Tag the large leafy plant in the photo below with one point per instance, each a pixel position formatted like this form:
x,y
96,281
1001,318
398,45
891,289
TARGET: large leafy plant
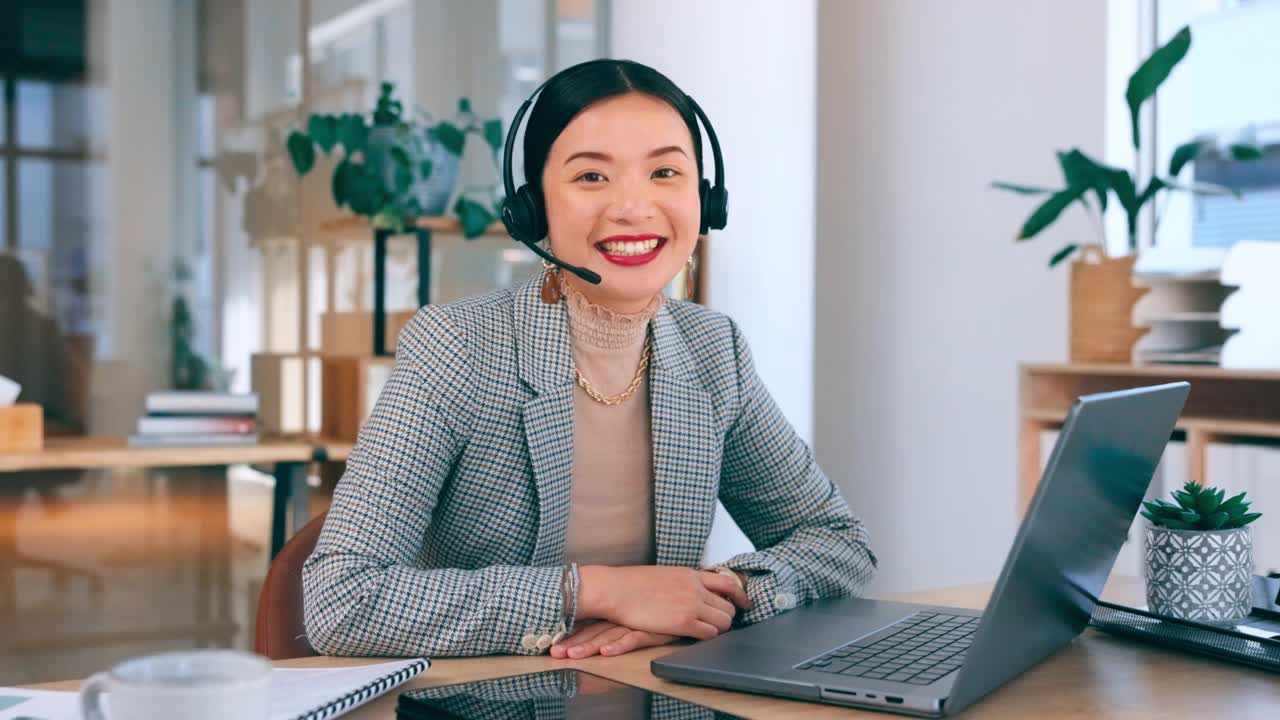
x,y
386,196
1085,178
1200,508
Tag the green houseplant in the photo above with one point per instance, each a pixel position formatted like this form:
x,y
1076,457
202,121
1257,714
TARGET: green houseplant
x,y
1199,555
1084,178
394,169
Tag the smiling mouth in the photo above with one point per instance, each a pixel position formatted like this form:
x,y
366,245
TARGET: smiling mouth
x,y
631,250
636,246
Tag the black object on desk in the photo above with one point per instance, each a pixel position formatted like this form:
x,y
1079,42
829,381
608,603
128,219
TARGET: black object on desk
x,y
1222,642
547,696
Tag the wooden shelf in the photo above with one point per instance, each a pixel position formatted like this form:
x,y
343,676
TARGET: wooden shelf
x,y
1146,371
1224,406
436,223
1213,426
113,452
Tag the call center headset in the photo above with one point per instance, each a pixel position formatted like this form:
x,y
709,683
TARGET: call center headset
x,y
526,219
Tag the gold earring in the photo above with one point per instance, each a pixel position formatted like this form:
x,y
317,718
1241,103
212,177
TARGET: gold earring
x,y
688,279
550,283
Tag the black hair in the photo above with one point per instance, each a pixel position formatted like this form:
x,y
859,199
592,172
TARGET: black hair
x,y
579,86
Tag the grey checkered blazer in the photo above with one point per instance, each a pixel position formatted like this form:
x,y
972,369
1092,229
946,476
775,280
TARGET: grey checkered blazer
x,y
446,534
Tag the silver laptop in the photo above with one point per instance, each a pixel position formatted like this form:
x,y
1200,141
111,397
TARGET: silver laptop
x,y
934,661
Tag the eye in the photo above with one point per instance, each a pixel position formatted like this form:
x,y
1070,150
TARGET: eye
x,y
590,177
666,173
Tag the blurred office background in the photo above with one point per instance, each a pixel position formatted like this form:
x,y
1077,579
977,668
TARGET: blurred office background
x,y
142,159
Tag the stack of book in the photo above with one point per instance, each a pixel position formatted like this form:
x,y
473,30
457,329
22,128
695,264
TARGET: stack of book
x,y
181,418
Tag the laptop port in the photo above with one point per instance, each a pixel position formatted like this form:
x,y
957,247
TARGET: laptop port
x,y
871,696
894,700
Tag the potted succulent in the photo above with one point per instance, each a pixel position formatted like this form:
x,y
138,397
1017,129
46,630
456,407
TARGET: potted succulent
x,y
1102,293
394,169
1199,555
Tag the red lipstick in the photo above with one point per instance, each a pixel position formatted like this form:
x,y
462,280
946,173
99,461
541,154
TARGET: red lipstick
x,y
631,260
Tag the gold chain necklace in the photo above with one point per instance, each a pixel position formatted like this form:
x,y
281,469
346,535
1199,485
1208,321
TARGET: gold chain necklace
x,y
625,394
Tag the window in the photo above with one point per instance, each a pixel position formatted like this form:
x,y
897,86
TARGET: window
x,y
1223,87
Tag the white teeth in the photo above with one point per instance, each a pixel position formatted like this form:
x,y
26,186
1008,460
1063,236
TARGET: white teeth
x,y
630,248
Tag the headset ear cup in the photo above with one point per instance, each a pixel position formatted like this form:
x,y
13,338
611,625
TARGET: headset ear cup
x,y
537,216
715,206
704,196
522,214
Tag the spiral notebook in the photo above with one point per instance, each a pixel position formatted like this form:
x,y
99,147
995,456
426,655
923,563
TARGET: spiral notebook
x,y
321,693
296,693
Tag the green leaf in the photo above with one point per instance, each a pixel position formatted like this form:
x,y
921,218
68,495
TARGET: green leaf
x,y
475,218
1208,503
323,130
1149,516
450,136
1215,520
1245,152
1063,254
1190,516
1238,512
338,183
1079,169
1151,74
1185,499
1248,519
493,134
401,157
1022,189
1235,501
301,152
1175,524
1153,187
364,191
1185,153
1121,184
1048,211
353,133
425,169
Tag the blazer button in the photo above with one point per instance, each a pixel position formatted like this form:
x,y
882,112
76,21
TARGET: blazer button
x,y
557,638
784,601
544,642
529,642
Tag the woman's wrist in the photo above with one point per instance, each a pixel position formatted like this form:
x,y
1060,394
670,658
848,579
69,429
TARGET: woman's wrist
x,y
592,598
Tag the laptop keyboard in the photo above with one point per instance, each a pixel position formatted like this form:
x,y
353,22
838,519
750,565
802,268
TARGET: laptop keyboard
x,y
918,650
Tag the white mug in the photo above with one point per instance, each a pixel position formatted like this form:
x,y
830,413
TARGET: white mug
x,y
191,684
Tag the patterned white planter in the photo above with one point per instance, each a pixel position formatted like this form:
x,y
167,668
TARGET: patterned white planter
x,y
1201,575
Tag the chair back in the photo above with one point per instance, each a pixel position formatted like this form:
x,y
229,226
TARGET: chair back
x,y
279,633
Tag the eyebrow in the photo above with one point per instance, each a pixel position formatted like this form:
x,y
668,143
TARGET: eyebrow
x,y
595,155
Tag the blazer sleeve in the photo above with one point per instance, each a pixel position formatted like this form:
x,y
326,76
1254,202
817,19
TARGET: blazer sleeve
x,y
363,593
811,545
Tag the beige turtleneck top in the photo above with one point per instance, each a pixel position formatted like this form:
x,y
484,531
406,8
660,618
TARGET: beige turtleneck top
x,y
611,501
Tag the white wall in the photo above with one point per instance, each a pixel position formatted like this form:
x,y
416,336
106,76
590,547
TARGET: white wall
x,y
142,67
924,305
750,65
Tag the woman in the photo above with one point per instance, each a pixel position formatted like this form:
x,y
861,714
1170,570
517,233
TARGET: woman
x,y
541,469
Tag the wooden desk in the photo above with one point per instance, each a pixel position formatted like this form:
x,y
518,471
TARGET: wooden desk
x,y
1097,676
1224,405
288,459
